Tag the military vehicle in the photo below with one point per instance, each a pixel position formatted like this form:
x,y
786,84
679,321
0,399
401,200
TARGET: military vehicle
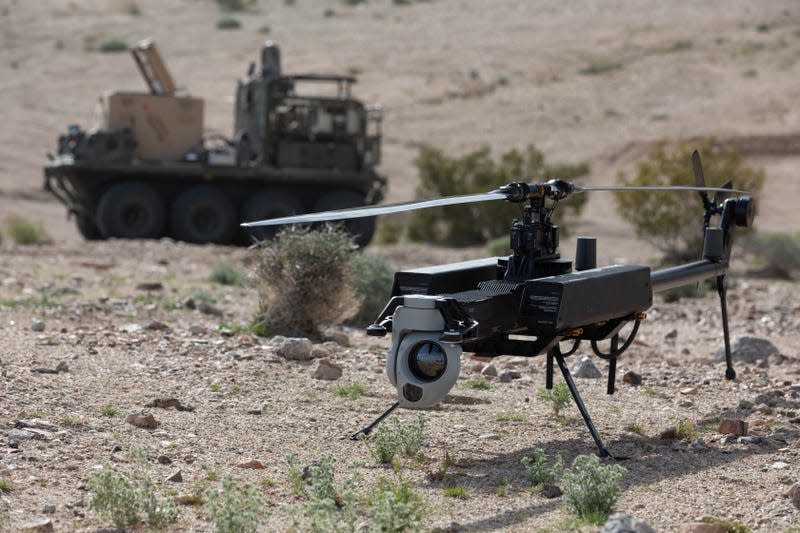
x,y
147,170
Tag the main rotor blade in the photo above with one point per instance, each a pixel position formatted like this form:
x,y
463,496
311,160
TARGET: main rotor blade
x,y
371,211
654,188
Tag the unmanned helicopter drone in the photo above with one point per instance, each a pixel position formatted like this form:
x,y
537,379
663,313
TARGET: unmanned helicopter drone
x,y
529,303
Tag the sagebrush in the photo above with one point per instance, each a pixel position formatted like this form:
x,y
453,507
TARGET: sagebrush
x,y
373,277
538,471
557,398
237,508
305,281
476,172
396,437
672,221
590,489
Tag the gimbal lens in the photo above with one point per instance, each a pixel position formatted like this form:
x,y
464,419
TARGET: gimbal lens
x,y
427,361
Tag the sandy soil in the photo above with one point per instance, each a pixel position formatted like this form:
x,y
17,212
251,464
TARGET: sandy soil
x,y
723,68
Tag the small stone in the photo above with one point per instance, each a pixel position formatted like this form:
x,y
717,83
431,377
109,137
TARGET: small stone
x,y
338,337
505,377
18,435
584,367
779,465
732,426
551,491
35,423
197,329
688,390
631,378
296,349
176,477
489,370
320,351
672,334
750,439
325,369
490,436
208,309
253,463
746,405
43,525
142,419
794,494
48,508
37,325
625,523
155,325
671,433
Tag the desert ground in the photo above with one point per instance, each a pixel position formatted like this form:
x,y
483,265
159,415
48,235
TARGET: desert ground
x,y
115,313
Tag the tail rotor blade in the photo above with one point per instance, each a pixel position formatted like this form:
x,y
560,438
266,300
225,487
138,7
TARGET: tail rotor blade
x,y
700,179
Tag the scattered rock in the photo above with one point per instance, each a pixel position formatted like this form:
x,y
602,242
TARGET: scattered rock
x,y
732,426
155,325
489,370
625,523
164,460
296,349
631,378
35,423
454,527
43,525
62,367
18,435
142,419
779,465
505,377
748,349
490,436
672,334
37,325
176,477
168,403
320,351
325,369
253,463
551,491
48,508
584,367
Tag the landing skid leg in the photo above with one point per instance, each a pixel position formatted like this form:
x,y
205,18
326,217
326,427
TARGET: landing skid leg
x,y
367,430
730,373
601,449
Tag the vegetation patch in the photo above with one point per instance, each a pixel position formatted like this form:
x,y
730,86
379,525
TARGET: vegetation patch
x,y
591,489
237,508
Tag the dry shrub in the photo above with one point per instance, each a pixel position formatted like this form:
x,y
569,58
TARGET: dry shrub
x,y
305,281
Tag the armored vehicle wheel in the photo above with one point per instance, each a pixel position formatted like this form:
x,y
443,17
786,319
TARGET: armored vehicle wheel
x,y
361,228
268,203
203,214
131,210
88,228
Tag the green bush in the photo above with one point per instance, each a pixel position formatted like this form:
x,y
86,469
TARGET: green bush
x,y
23,231
395,507
352,391
373,277
237,509
557,398
536,469
305,281
476,172
228,23
127,502
672,221
395,437
226,274
591,488
329,505
778,252
114,45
